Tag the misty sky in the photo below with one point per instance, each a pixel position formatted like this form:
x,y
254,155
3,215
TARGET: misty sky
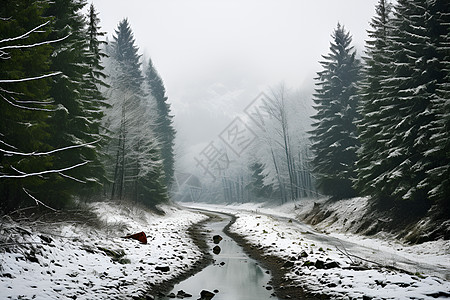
x,y
216,56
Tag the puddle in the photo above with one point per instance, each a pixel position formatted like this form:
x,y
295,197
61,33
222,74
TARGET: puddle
x,y
233,275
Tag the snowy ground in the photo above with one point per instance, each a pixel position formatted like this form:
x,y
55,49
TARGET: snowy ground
x,y
270,229
69,260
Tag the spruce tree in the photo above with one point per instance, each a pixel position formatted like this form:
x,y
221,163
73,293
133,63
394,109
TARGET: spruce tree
x,y
136,170
76,123
334,137
375,70
404,109
438,177
164,130
24,106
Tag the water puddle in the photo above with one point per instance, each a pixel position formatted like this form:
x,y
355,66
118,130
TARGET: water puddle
x,y
233,275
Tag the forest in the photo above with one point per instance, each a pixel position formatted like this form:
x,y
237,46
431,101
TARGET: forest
x,y
81,119
339,189
84,118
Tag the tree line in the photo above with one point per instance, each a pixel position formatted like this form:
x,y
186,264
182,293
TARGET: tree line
x,y
79,118
382,124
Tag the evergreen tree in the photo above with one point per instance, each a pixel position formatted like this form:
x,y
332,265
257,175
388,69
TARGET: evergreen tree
x,y
334,135
375,70
24,105
439,174
136,169
94,103
164,130
76,124
404,109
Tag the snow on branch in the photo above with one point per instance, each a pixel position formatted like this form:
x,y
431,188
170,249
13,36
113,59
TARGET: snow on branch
x,y
24,175
33,45
48,152
30,78
25,107
25,35
38,201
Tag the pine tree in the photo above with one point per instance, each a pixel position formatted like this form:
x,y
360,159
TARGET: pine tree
x,y
334,135
375,70
164,130
93,104
75,124
404,111
136,168
438,177
24,106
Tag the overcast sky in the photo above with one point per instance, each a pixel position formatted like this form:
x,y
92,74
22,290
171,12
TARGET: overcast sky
x,y
215,56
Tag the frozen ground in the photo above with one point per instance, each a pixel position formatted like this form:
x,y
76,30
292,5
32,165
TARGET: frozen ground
x,y
69,260
365,264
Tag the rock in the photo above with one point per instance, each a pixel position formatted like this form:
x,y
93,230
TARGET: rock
x,y
140,236
217,238
216,250
319,264
149,297
46,239
171,295
308,263
163,268
303,254
206,295
331,264
182,294
288,264
216,291
222,263
269,288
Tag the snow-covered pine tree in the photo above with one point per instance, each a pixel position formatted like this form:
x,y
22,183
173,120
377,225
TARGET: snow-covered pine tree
x,y
334,135
406,117
76,124
94,103
375,69
438,177
136,168
24,106
164,129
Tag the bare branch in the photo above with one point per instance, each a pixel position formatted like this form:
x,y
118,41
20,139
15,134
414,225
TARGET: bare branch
x,y
33,45
48,152
73,178
38,201
44,172
26,107
25,34
29,78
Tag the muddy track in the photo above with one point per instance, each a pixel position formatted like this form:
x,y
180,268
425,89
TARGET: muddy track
x,y
198,234
284,288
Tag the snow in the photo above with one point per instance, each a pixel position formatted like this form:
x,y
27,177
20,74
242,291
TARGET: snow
x,y
275,231
73,265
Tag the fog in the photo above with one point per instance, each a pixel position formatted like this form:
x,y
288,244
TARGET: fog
x,y
215,56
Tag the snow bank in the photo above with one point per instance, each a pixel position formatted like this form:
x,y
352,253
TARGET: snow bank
x,y
311,256
72,260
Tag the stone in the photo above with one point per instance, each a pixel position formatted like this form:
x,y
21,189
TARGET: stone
x,y
163,268
303,254
216,250
171,295
319,264
206,295
331,264
182,294
288,264
217,238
